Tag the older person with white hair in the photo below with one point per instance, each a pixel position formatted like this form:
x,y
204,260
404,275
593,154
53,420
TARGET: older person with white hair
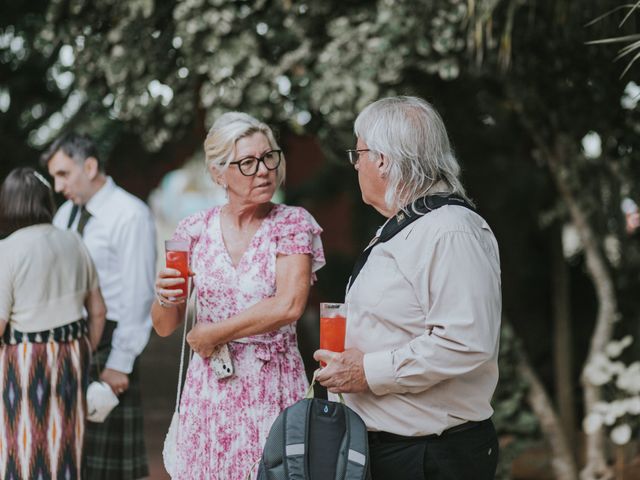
x,y
253,263
424,305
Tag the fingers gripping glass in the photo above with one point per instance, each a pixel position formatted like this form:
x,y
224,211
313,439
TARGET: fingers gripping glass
x,y
354,155
248,166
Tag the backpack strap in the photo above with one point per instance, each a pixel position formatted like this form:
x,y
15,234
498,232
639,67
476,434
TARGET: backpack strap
x,y
295,438
358,448
342,465
354,465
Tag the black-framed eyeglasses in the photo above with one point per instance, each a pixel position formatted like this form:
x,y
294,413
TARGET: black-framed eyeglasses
x,y
248,166
354,155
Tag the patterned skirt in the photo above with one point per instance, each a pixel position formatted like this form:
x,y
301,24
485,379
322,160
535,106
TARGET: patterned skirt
x,y
43,380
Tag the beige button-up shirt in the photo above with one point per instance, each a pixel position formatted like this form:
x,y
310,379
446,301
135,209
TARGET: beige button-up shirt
x,y
425,310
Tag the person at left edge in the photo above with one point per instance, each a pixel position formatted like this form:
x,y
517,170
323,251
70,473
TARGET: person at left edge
x,y
119,232
46,279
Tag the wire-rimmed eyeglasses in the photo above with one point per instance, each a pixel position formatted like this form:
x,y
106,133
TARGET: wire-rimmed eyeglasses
x,y
248,166
354,155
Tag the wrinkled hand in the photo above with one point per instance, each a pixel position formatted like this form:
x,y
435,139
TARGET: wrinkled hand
x,y
118,381
344,372
203,339
170,286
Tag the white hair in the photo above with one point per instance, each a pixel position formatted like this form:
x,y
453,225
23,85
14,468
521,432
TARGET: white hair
x,y
220,144
411,135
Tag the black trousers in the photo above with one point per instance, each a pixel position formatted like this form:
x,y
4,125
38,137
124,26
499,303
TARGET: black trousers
x,y
470,454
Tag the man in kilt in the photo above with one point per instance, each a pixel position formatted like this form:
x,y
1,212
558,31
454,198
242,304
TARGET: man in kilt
x,y
119,232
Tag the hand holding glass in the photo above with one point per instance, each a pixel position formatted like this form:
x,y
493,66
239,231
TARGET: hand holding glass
x,y
333,325
177,257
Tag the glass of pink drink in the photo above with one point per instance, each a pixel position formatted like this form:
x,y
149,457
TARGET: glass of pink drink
x,y
177,257
333,325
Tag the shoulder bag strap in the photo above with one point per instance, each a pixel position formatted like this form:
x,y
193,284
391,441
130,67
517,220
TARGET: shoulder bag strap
x,y
184,341
190,290
416,210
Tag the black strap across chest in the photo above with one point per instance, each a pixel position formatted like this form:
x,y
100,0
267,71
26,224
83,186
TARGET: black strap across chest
x,y
404,218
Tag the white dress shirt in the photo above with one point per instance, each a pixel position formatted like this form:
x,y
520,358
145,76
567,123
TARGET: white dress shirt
x,y
121,238
426,310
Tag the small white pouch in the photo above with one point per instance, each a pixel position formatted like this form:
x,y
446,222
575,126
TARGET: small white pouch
x,y
170,447
100,401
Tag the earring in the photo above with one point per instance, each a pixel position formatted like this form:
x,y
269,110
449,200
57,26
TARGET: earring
x,y
226,190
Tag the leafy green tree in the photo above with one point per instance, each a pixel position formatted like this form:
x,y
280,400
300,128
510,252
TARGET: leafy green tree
x,y
28,93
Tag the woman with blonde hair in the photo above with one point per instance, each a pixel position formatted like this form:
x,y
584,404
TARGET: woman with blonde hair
x,y
254,262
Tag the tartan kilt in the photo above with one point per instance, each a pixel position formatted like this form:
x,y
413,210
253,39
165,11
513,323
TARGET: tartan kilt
x,y
114,450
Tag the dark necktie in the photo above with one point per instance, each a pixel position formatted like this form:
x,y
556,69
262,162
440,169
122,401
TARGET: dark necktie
x,y
84,218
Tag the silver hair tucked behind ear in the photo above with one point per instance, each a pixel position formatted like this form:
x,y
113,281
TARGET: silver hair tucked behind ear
x,y
411,135
219,146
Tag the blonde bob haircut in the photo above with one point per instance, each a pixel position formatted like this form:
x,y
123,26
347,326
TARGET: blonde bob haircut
x,y
411,135
220,144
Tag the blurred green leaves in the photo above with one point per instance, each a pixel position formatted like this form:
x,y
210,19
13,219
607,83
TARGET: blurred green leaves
x,y
219,55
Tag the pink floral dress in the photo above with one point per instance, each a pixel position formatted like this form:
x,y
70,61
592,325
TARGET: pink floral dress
x,y
224,423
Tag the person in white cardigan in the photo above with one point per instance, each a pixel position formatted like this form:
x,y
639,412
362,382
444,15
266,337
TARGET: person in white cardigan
x,y
47,279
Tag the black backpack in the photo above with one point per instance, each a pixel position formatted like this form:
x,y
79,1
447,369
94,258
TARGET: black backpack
x,y
316,439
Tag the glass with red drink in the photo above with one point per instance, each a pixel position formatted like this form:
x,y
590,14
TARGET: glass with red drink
x,y
333,325
177,257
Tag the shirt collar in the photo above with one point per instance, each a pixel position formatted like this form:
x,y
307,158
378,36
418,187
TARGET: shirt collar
x,y
100,199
